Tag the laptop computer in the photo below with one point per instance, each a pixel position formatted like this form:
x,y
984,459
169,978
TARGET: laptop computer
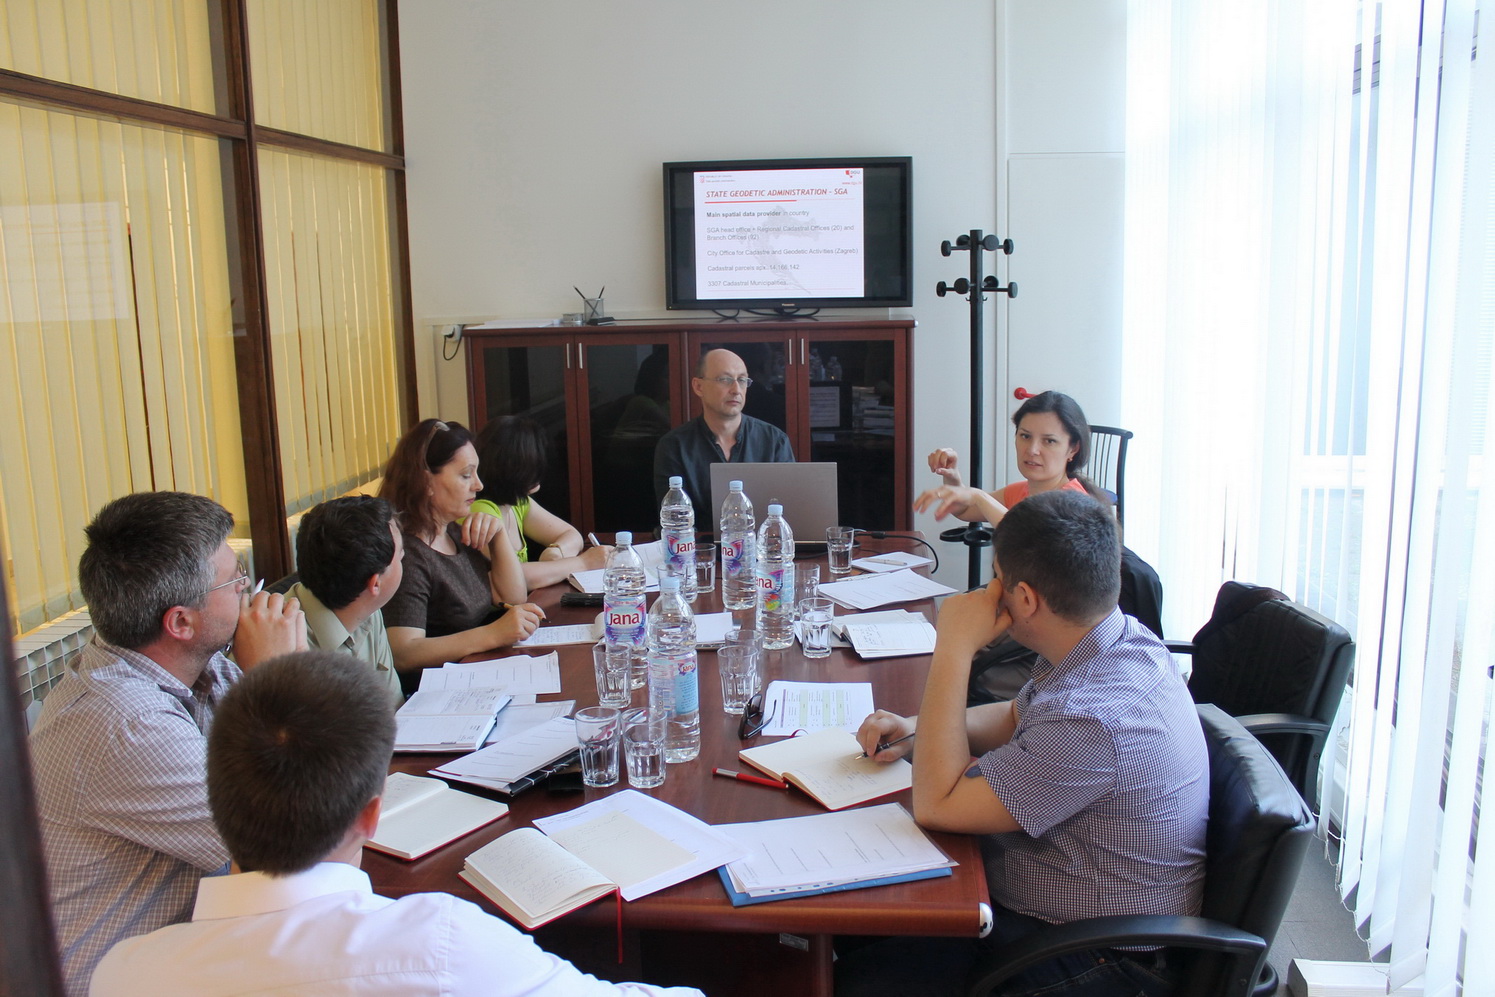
x,y
807,491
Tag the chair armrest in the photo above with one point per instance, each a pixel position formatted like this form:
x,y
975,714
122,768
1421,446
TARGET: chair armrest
x,y
1179,646
1284,723
1110,932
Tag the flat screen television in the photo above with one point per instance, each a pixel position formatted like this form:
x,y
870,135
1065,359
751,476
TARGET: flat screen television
x,y
783,235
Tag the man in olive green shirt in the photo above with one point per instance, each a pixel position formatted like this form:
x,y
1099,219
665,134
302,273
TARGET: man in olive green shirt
x,y
349,553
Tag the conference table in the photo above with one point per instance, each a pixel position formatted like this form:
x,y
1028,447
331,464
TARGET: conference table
x,y
690,933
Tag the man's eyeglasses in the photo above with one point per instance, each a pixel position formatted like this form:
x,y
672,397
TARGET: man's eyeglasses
x,y
240,579
743,382
753,721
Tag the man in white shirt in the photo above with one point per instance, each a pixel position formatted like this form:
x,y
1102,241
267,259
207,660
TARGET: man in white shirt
x,y
350,553
296,766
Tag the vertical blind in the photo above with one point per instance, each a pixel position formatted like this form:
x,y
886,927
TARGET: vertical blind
x,y
331,322
1311,225
116,347
118,362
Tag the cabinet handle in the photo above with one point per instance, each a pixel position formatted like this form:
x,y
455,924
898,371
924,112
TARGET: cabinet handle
x,y
581,356
802,359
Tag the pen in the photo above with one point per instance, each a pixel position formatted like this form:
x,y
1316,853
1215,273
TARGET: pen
x,y
728,773
883,560
259,586
592,539
578,292
884,745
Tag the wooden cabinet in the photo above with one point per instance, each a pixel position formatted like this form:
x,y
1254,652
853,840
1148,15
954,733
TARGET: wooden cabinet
x,y
842,390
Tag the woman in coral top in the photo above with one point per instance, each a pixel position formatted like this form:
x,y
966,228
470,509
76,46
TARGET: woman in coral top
x,y
1052,444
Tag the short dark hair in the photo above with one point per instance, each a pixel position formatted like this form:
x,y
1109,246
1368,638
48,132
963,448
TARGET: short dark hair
x,y
341,544
1065,546
424,449
511,458
146,553
298,748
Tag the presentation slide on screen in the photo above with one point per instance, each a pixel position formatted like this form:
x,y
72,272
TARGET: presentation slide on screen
x,y
789,233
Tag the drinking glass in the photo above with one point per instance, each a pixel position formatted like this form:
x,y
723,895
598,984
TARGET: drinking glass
x,y
705,567
838,546
612,664
815,626
643,748
597,734
738,664
806,584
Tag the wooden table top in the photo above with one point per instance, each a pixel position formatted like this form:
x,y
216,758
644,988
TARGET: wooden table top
x,y
945,906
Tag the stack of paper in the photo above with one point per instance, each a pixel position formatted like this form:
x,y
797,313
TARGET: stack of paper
x,y
516,675
890,634
823,853
895,560
515,763
447,719
871,591
574,633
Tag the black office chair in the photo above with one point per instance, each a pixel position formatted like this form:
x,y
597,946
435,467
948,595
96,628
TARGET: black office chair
x,y
1278,667
1107,464
1259,829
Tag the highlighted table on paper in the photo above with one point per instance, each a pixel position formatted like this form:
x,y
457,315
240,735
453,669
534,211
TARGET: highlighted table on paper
x,y
812,706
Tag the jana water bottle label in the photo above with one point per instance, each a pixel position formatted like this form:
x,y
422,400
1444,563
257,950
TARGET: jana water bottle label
x,y
734,554
678,546
771,588
687,686
625,624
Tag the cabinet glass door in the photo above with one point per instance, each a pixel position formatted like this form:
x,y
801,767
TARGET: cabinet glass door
x,y
851,410
513,377
768,364
629,407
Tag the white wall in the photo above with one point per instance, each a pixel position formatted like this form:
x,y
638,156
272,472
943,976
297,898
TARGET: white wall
x,y
535,133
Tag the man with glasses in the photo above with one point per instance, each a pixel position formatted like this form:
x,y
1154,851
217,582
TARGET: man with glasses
x,y
118,751
721,434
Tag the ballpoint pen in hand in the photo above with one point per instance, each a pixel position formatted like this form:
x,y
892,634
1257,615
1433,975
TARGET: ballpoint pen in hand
x,y
884,745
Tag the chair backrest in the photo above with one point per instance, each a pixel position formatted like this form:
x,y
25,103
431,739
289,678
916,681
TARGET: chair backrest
x,y
1107,464
1259,829
1260,652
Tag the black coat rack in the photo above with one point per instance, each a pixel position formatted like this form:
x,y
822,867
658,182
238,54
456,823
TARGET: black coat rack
x,y
974,535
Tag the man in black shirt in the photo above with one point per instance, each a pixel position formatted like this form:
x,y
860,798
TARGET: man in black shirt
x,y
720,434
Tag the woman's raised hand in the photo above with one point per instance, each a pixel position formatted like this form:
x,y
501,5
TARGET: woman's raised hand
x,y
946,463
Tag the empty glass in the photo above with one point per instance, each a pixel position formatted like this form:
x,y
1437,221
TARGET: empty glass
x,y
738,664
705,567
597,735
612,665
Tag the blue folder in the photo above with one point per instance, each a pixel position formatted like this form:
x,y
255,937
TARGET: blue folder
x,y
740,899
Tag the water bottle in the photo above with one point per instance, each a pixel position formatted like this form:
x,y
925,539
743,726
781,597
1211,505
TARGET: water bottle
x,y
677,527
624,619
673,678
739,544
776,579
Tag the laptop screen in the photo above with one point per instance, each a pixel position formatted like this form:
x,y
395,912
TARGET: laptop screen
x,y
807,491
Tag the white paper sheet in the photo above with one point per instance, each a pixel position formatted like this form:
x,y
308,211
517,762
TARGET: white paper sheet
x,y
812,706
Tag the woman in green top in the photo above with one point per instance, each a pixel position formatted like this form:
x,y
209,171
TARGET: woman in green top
x,y
511,459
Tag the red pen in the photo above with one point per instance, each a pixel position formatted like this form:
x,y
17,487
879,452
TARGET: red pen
x,y
750,778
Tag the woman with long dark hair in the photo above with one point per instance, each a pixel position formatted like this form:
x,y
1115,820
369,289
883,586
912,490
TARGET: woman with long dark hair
x,y
463,588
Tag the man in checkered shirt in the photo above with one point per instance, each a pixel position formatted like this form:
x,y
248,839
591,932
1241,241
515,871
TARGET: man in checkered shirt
x,y
118,753
1092,785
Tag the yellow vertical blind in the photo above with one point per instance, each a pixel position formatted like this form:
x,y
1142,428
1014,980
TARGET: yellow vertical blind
x,y
159,51
302,84
116,345
332,325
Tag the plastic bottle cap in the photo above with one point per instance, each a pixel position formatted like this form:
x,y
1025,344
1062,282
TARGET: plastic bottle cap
x,y
622,537
669,583
734,486
775,510
676,481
